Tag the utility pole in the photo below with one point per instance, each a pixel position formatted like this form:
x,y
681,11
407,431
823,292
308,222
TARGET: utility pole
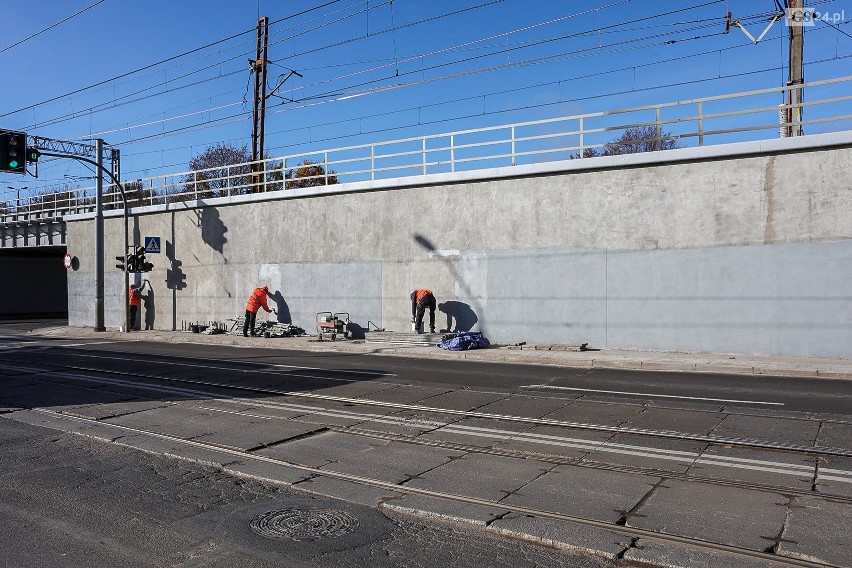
x,y
796,22
259,114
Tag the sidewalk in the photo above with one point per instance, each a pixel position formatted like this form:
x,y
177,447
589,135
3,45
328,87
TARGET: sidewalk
x,y
725,363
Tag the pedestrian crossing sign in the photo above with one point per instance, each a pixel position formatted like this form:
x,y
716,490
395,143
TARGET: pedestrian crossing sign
x,y
152,245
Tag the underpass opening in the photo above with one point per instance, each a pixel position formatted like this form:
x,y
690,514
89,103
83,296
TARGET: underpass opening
x,y
33,282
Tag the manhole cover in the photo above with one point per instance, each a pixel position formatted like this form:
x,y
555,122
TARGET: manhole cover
x,y
304,524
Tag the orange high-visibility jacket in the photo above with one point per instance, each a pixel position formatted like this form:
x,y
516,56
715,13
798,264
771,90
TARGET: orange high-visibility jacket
x,y
416,297
257,300
134,298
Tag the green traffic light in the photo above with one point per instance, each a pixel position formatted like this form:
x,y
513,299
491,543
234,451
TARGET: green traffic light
x,y
13,164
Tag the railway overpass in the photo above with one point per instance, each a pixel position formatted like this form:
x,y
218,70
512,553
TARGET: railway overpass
x,y
742,247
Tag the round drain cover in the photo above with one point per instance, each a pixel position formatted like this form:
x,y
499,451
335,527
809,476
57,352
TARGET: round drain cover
x,y
303,524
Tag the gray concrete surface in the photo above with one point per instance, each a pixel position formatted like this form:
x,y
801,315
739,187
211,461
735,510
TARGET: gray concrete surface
x,y
755,519
747,252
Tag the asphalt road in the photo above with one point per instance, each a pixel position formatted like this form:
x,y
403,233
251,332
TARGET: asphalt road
x,y
622,464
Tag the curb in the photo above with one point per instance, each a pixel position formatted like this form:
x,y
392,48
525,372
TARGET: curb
x,y
802,367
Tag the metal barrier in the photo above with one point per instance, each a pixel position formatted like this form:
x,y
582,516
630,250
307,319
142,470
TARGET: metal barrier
x,y
750,115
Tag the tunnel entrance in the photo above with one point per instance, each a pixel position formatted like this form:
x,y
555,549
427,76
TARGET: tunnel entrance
x,y
33,283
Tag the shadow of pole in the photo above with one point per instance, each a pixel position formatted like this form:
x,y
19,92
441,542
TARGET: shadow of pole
x,y
426,244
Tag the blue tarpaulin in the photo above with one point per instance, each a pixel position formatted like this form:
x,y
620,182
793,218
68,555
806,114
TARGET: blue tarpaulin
x,y
465,340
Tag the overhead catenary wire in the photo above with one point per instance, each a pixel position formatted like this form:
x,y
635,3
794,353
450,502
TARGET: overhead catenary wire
x,y
217,122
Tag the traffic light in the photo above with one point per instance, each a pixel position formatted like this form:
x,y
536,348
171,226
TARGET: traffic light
x,y
141,265
13,148
33,155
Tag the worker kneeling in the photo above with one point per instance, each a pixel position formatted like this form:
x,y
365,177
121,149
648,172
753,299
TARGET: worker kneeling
x,y
420,300
256,301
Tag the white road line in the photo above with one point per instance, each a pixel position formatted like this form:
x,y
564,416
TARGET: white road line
x,y
548,387
684,457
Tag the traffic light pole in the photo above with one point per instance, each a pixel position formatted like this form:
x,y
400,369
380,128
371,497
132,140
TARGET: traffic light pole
x,y
99,237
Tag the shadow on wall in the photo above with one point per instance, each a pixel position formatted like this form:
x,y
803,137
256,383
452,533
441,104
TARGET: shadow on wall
x,y
460,316
148,303
463,313
282,308
212,228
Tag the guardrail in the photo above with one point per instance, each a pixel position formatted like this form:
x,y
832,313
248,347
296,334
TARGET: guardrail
x,y
750,115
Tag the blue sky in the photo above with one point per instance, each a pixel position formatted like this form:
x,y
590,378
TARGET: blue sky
x,y
163,80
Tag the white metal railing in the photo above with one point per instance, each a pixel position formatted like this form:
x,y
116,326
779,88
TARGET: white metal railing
x,y
751,115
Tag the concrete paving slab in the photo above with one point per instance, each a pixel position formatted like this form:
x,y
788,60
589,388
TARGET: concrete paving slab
x,y
348,491
607,414
406,394
653,418
597,494
58,397
835,435
462,399
174,420
355,389
100,431
265,471
555,441
648,452
664,555
411,425
768,428
247,435
818,531
109,410
757,466
176,449
461,432
526,406
446,509
395,462
727,515
481,476
563,535
833,476
322,449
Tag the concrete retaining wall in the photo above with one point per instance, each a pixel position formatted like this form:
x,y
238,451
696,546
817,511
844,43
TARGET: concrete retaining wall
x,y
740,253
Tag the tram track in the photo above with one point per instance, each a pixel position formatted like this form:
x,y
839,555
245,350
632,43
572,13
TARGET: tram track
x,y
633,533
327,416
815,451
406,423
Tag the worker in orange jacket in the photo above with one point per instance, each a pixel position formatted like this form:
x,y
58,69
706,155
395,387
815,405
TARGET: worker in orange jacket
x,y
420,300
134,300
256,301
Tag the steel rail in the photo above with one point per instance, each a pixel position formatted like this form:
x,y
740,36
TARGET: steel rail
x,y
418,440
665,434
632,532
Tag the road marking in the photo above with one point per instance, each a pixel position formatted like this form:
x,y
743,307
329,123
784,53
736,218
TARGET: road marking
x,y
376,374
547,387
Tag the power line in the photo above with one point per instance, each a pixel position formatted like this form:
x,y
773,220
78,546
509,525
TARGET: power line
x,y
151,65
51,26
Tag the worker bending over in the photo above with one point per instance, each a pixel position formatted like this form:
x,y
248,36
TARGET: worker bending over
x,y
420,300
256,301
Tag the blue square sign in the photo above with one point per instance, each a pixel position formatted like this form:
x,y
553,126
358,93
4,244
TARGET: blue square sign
x,y
152,245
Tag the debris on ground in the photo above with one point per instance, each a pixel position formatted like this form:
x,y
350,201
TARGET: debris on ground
x,y
266,328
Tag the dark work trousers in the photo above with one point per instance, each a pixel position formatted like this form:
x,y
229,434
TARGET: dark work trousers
x,y
250,318
131,316
427,302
